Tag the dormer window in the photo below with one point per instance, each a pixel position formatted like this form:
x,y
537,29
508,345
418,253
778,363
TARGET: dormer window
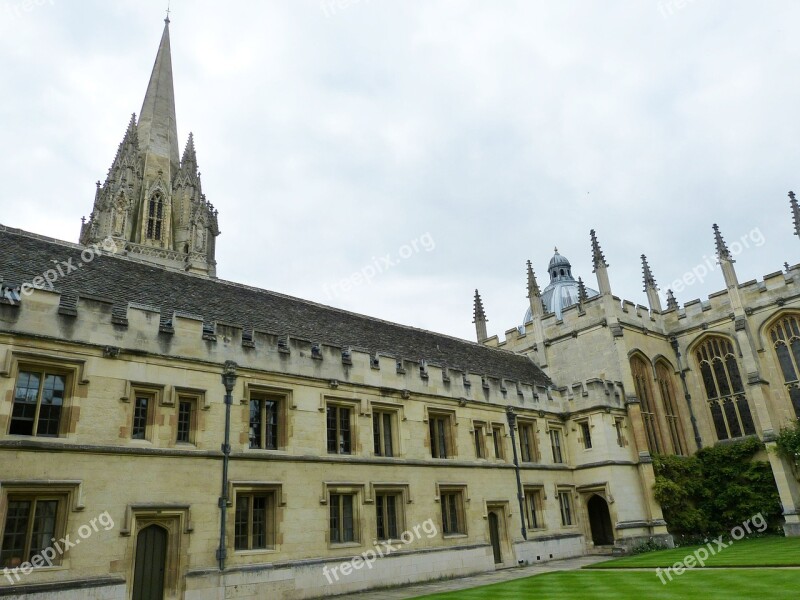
x,y
155,216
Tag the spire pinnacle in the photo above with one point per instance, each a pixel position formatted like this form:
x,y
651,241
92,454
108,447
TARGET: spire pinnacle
x,y
598,258
722,249
478,313
582,295
189,154
158,133
671,301
533,286
795,213
479,318
649,280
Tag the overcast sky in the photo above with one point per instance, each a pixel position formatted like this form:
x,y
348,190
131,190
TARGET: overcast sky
x,y
333,133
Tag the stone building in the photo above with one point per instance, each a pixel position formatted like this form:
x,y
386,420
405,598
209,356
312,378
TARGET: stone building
x,y
168,434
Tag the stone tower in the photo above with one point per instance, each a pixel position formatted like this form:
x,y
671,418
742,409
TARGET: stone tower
x,y
152,203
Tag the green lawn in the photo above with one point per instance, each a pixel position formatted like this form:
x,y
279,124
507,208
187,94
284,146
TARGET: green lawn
x,y
640,585
759,552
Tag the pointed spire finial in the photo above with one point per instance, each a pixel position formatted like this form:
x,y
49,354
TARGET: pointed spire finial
x,y
795,213
166,20
722,249
533,286
478,313
671,301
598,258
582,295
555,249
649,280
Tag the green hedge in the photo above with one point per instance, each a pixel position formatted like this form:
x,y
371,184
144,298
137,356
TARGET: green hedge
x,y
715,490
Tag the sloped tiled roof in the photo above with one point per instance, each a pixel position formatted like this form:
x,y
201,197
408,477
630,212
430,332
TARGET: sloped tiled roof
x,y
23,256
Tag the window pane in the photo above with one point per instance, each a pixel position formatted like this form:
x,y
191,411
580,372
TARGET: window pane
x,y
391,515
376,435
271,435
331,426
785,360
255,424
387,435
140,418
733,372
347,519
730,416
719,421
344,430
441,433
748,426
259,522
44,526
380,518
14,533
241,522
708,380
184,420
334,518
722,379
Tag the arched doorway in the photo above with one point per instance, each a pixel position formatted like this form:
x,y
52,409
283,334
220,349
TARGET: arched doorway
x,y
151,556
494,536
600,521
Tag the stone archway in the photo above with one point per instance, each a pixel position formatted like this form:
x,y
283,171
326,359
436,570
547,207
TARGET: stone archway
x,y
600,521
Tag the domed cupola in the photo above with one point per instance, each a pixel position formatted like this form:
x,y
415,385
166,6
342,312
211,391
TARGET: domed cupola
x,y
559,268
563,288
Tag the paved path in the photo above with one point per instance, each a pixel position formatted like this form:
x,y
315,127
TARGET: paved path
x,y
462,583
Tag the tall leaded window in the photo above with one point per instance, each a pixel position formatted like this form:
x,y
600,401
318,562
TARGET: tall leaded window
x,y
785,338
38,400
642,379
155,216
342,519
29,528
263,433
254,527
724,389
668,398
339,429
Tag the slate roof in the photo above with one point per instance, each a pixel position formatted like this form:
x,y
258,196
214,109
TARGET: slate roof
x,y
24,255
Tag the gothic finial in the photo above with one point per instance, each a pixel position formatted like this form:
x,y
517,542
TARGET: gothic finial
x,y
582,295
722,248
795,213
478,313
166,20
649,280
671,302
555,249
533,286
786,266
598,258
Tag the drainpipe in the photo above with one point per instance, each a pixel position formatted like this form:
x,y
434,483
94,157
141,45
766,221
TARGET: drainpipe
x,y
229,381
512,420
674,342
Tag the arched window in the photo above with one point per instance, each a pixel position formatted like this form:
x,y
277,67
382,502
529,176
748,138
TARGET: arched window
x,y
155,214
724,390
642,379
668,398
785,338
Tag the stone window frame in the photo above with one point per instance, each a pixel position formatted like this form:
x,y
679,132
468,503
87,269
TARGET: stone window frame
x,y
75,371
451,423
275,488
462,502
68,493
284,397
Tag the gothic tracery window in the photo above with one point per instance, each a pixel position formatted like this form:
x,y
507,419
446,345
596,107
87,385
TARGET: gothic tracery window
x,y
642,378
669,400
724,389
155,214
785,339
